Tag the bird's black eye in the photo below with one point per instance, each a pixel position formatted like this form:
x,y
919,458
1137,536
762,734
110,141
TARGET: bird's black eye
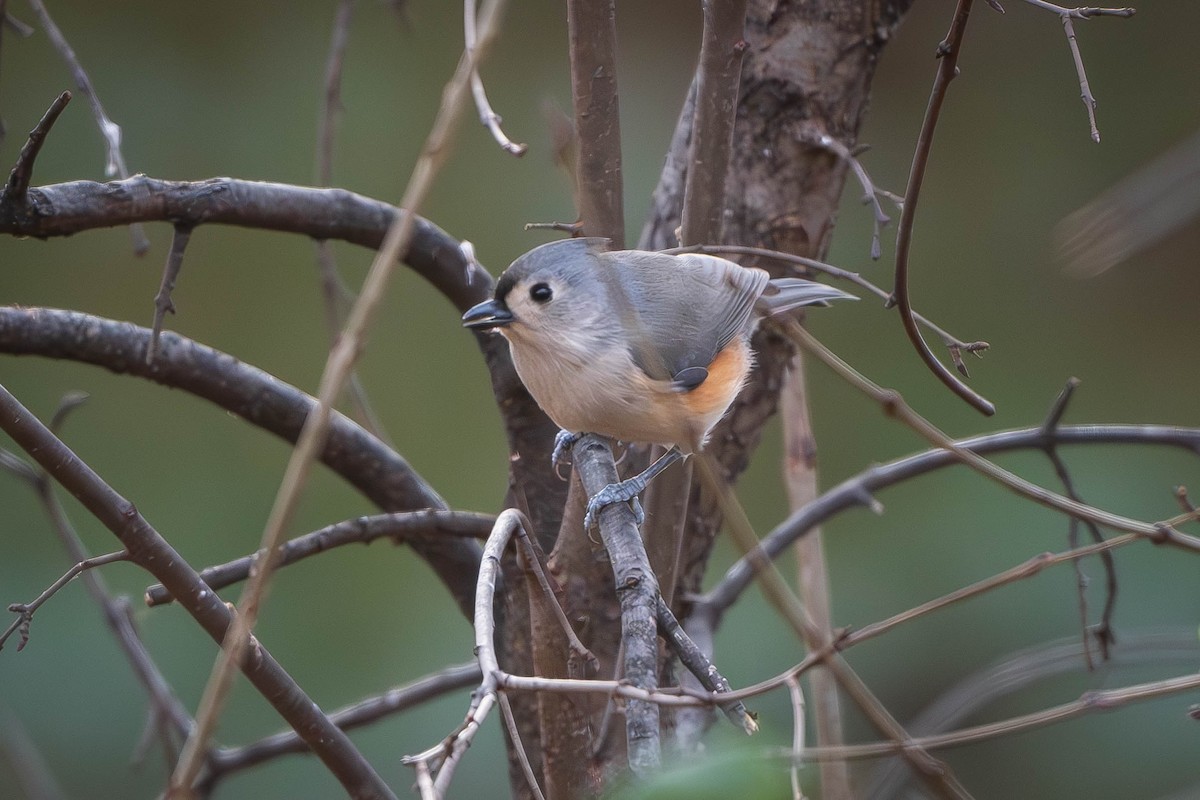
x,y
540,292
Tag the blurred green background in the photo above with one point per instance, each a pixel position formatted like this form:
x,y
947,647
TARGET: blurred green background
x,y
233,89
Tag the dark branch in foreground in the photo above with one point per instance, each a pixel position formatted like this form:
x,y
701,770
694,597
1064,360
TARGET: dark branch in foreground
x,y
22,171
149,550
259,398
66,208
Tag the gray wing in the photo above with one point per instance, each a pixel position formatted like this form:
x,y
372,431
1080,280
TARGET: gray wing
x,y
686,309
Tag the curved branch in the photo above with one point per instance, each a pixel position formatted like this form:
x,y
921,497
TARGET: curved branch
x,y
857,491
63,209
947,68
260,399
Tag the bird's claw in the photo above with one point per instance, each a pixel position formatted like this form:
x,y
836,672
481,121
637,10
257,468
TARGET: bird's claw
x,y
623,492
563,441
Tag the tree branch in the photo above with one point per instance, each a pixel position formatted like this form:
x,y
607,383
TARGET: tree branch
x,y
400,527
591,26
859,490
261,399
149,550
948,52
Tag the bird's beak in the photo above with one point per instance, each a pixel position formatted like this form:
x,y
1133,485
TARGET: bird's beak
x,y
487,316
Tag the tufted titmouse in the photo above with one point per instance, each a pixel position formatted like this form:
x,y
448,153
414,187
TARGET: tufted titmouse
x,y
633,345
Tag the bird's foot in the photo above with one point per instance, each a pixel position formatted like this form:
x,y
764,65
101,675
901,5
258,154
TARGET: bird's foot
x,y
626,491
563,441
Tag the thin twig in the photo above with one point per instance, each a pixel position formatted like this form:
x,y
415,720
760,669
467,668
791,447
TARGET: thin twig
x,y
490,119
165,706
22,29
1067,16
109,130
580,654
333,290
1088,702
1023,571
1103,632
514,733
25,611
948,52
399,527
331,101
162,301
699,665
871,194
22,171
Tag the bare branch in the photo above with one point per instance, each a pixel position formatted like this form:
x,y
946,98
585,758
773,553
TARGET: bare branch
x,y
1068,15
15,25
948,52
1103,632
22,171
490,119
894,405
858,490
67,208
812,571
871,194
718,78
514,733
586,661
797,697
162,301
1088,702
331,103
637,590
400,527
255,396
699,665
150,551
591,27
450,750
109,130
25,611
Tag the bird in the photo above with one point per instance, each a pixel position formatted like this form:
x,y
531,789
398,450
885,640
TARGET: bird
x,y
634,345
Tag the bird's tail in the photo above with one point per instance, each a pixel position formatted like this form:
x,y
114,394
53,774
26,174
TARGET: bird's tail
x,y
787,294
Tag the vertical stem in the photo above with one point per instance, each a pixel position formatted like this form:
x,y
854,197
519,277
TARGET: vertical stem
x,y
592,29
812,574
